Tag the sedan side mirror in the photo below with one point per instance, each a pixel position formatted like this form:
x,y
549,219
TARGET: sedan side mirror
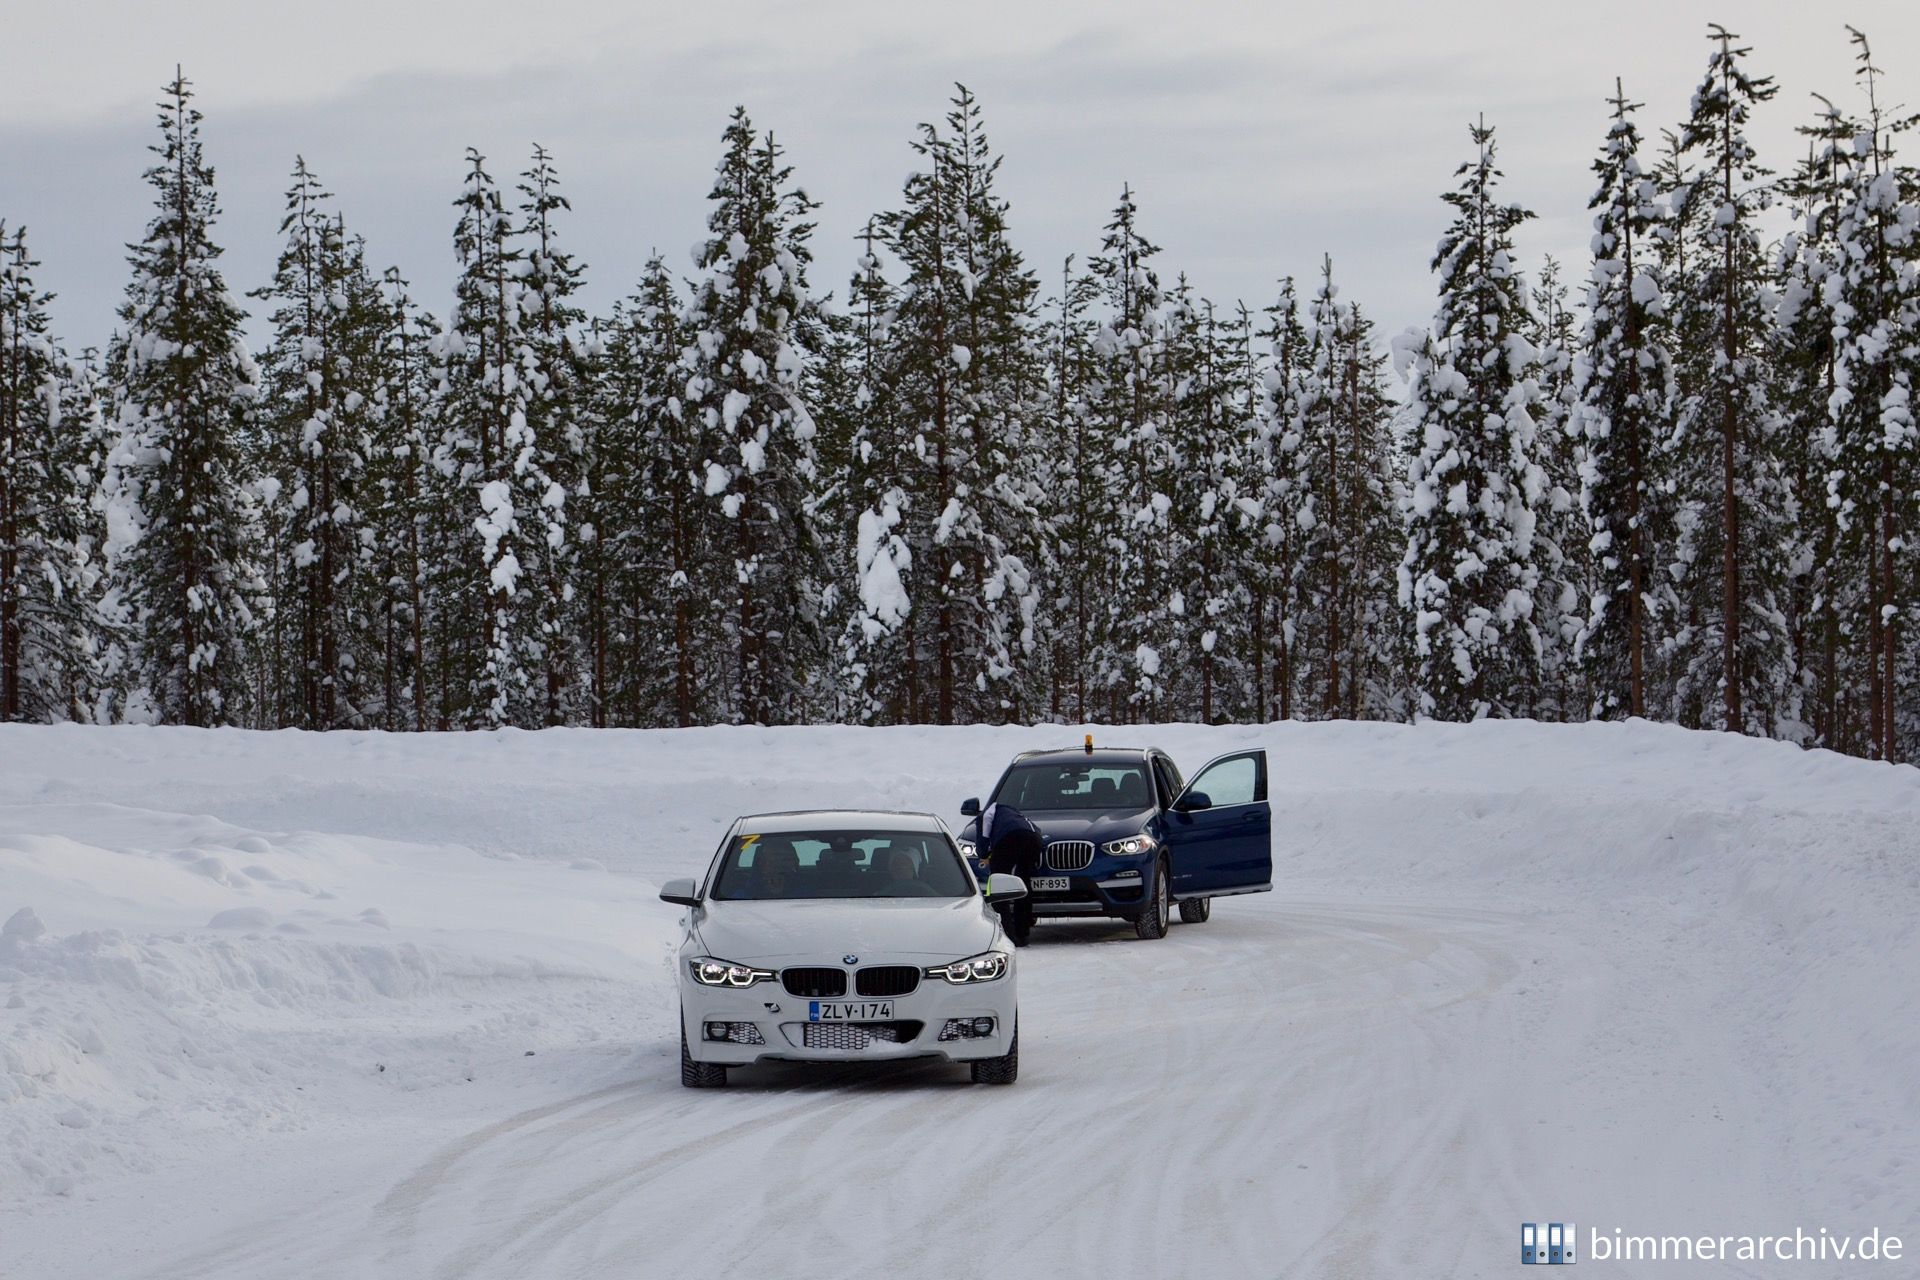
x,y
1195,800
681,892
970,808
1002,887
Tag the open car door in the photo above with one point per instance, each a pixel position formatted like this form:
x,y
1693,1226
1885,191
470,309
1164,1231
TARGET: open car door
x,y
1221,829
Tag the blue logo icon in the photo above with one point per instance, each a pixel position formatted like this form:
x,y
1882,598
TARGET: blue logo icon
x,y
1546,1244
850,959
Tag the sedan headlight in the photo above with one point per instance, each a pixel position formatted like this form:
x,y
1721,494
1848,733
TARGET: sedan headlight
x,y
988,966
1129,847
709,972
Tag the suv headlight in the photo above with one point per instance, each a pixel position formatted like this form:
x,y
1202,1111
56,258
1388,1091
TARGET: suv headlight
x,y
709,972
1130,846
967,849
988,966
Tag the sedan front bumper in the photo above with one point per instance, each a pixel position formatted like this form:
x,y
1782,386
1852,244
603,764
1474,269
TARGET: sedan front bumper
x,y
788,1031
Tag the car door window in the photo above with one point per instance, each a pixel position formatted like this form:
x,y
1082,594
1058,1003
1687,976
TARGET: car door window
x,y
1162,779
1235,780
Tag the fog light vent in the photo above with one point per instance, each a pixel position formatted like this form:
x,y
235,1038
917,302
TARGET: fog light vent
x,y
733,1032
966,1029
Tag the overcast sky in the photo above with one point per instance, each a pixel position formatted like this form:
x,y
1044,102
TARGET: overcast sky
x,y
1258,136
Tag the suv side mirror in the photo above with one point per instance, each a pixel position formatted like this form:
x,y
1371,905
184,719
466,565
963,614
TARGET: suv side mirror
x,y
1195,800
681,892
970,808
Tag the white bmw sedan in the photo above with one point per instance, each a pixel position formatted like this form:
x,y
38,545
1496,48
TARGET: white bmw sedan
x,y
844,936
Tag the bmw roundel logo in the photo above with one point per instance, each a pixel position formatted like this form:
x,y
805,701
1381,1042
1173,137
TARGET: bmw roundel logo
x,y
850,959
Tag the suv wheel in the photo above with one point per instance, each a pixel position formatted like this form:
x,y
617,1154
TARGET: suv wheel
x,y
1004,1069
1196,910
1154,913
698,1075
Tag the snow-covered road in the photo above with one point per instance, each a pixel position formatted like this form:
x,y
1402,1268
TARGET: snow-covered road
x,y
1620,975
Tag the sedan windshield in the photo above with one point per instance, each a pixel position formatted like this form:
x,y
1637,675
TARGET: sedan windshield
x,y
1075,786
844,863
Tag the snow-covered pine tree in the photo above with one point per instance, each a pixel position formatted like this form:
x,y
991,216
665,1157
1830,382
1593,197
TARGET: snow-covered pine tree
x,y
319,375
867,448
1624,384
999,391
1561,605
1806,264
558,372
663,654
28,382
1206,427
494,463
961,370
1350,535
365,681
1873,448
1129,407
1077,467
50,534
1734,526
1323,616
92,641
184,387
1282,506
746,363
411,549
1376,484
594,562
1249,468
1468,577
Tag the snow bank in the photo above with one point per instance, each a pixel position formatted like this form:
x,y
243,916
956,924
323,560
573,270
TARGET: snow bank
x,y
174,980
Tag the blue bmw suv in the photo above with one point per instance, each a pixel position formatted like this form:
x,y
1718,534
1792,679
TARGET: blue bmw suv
x,y
1122,836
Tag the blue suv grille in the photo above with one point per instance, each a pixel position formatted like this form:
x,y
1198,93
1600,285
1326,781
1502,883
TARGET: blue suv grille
x,y
1069,855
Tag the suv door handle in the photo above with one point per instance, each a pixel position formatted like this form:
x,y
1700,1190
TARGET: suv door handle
x,y
1250,816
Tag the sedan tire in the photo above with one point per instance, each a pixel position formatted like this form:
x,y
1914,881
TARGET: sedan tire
x,y
1018,922
1004,1069
698,1075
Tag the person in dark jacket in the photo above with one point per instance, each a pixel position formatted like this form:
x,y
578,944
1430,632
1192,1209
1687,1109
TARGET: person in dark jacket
x,y
1013,846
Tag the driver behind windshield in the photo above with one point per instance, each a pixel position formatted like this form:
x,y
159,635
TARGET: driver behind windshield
x,y
903,877
776,869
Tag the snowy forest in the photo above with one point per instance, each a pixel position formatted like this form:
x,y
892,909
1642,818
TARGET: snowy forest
x,y
938,483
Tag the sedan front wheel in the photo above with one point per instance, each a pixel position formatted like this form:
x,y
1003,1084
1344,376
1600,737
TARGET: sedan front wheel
x,y
698,1075
1004,1069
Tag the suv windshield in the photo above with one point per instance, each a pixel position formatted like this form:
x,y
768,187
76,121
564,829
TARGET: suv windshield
x,y
1075,786
841,864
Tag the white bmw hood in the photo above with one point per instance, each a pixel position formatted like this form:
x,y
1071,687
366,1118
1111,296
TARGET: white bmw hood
x,y
825,929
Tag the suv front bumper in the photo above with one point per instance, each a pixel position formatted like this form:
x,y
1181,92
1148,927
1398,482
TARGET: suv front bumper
x,y
1107,886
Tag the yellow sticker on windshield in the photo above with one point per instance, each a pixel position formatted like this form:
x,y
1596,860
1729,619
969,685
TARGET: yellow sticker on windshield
x,y
747,842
